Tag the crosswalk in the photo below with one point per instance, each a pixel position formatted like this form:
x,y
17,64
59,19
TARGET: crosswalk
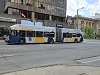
x,y
88,60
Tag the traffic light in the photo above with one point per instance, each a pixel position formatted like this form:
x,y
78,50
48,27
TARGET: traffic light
x,y
68,23
84,24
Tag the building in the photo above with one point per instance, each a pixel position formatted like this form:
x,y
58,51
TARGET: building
x,y
97,16
51,12
85,21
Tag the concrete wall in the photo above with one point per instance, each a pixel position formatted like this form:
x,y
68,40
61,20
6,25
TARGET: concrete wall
x,y
18,18
1,6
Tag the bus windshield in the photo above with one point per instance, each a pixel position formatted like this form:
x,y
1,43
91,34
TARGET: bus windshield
x,y
13,33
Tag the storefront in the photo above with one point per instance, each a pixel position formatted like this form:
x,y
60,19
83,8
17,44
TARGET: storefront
x,y
4,24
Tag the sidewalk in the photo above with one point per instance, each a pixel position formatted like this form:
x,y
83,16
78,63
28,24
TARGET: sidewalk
x,y
92,40
59,70
1,41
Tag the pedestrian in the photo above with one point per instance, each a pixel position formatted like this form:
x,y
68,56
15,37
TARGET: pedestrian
x,y
94,35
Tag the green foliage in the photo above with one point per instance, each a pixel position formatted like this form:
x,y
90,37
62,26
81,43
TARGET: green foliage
x,y
73,27
89,31
87,37
98,36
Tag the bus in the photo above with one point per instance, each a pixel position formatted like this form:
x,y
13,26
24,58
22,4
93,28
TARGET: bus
x,y
21,34
72,35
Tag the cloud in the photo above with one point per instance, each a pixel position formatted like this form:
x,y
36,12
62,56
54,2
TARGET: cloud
x,y
94,8
90,7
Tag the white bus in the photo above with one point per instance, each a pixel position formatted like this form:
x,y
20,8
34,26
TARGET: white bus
x,y
72,35
31,34
20,33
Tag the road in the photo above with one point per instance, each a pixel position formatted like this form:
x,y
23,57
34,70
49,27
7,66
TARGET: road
x,y
20,57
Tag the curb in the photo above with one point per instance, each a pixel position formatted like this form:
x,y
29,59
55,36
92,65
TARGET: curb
x,y
59,70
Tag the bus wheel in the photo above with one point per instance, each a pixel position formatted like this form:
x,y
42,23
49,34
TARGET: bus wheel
x,y
21,41
81,40
76,41
51,41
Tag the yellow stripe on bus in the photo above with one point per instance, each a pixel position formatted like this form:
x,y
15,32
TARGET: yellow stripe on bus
x,y
39,40
73,39
25,29
66,40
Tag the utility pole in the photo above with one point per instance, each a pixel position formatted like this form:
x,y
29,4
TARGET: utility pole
x,y
77,17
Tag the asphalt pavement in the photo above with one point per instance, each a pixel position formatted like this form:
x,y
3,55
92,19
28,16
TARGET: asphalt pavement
x,y
50,59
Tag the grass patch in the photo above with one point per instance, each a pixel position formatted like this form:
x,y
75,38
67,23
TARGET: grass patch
x,y
92,37
87,37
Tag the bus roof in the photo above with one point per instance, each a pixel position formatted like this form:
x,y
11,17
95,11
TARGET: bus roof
x,y
31,27
71,30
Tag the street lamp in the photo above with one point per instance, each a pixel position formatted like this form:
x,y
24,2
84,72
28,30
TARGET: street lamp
x,y
77,17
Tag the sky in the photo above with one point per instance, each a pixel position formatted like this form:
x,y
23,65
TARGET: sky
x,y
90,7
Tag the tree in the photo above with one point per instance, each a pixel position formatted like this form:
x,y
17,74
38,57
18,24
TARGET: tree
x,y
73,27
89,31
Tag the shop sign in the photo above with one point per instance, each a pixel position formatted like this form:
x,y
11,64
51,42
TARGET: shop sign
x,y
7,19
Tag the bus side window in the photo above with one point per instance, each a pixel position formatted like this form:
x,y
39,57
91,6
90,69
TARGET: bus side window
x,y
46,34
74,35
30,34
52,34
64,35
39,34
78,35
22,33
69,35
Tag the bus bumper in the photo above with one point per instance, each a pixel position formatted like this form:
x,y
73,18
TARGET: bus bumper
x,y
7,41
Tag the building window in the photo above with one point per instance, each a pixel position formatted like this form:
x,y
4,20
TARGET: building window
x,y
89,23
41,5
61,1
92,24
21,1
86,23
29,2
15,12
25,14
40,16
72,22
12,0
82,23
57,18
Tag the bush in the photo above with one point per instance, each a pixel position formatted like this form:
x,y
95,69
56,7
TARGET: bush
x,y
88,37
98,36
89,31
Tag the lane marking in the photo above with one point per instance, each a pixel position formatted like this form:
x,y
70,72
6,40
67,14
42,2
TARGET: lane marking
x,y
6,55
90,61
12,48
